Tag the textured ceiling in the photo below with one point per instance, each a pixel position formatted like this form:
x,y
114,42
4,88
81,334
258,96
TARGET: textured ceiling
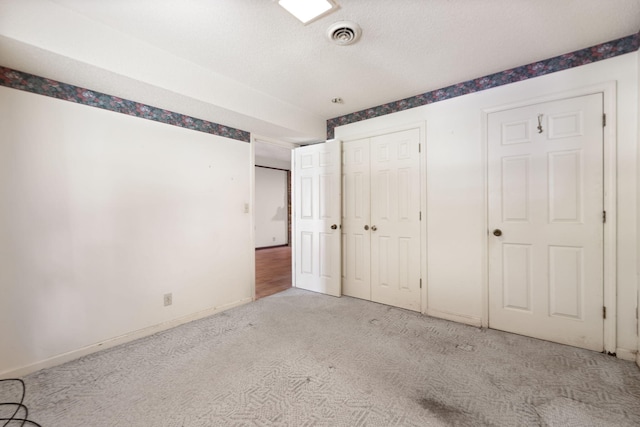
x,y
408,47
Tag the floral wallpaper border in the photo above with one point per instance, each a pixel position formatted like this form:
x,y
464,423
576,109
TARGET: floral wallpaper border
x,y
42,86
563,62
47,87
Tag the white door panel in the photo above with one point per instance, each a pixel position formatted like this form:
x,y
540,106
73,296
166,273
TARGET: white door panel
x,y
545,179
381,218
395,221
317,217
356,212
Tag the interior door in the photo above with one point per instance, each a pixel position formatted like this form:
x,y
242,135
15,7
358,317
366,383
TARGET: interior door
x,y
545,183
395,219
356,221
317,188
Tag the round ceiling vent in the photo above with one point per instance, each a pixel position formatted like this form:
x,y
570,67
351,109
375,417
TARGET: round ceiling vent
x,y
344,32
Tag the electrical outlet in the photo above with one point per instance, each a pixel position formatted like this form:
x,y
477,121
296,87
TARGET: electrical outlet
x,y
168,299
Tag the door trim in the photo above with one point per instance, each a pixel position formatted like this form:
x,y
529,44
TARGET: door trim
x,y
608,90
422,127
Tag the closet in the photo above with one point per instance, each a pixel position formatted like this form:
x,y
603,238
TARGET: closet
x,y
381,219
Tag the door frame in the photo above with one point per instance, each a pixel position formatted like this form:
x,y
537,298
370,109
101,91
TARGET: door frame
x,y
422,127
608,90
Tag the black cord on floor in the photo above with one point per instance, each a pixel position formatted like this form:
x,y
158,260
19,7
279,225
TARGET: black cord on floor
x,y
18,405
24,420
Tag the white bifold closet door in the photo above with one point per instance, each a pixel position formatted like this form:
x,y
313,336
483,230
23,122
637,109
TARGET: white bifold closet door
x,y
381,219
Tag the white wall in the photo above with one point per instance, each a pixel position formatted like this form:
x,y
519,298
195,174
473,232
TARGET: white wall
x,y
271,220
100,215
638,259
50,40
272,163
455,168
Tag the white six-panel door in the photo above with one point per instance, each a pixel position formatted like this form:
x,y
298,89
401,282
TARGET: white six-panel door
x,y
395,219
545,188
356,221
317,188
381,217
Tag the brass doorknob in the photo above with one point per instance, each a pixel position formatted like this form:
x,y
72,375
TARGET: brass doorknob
x,y
374,228
497,232
366,227
334,226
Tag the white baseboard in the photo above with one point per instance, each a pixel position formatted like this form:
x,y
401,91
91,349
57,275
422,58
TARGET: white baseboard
x,y
455,317
122,339
621,353
626,354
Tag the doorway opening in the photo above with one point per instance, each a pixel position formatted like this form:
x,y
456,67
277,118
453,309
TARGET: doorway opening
x,y
272,217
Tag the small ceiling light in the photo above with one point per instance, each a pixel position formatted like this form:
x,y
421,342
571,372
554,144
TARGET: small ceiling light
x,y
308,10
337,100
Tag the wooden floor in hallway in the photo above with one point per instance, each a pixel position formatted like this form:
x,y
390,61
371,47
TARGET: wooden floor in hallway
x,y
273,270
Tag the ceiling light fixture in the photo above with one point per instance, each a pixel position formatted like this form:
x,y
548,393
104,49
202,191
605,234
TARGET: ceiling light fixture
x,y
308,10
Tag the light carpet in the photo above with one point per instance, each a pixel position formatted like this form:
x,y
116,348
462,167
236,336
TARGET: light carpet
x,y
303,359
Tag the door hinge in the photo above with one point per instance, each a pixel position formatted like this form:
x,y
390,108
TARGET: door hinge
x,y
420,283
604,120
419,148
420,215
604,216
604,312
